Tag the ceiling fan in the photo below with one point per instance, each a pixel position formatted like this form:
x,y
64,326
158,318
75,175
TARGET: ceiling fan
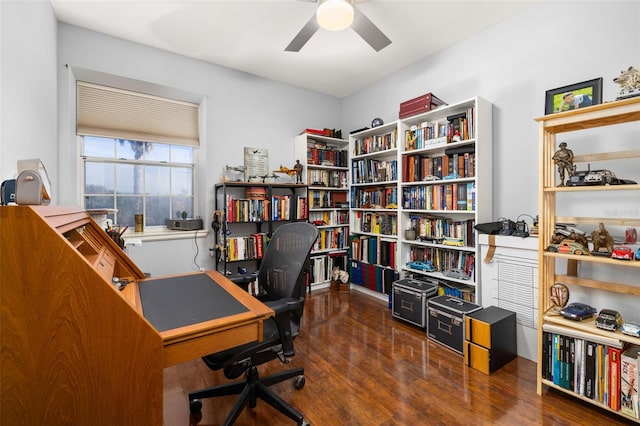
x,y
336,15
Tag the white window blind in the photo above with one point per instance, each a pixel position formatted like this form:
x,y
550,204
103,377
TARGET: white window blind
x,y
110,112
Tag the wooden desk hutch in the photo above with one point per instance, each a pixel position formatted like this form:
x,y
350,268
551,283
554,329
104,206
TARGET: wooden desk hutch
x,y
75,349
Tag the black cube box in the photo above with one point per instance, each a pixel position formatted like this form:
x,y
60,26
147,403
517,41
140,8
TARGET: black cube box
x,y
490,339
410,300
445,320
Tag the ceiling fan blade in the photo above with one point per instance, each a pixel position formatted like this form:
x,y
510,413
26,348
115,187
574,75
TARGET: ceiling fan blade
x,y
303,36
368,31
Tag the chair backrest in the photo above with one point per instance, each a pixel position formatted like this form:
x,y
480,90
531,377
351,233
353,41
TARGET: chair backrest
x,y
281,271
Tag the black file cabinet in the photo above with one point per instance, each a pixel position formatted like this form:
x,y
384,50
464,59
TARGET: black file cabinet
x,y
490,339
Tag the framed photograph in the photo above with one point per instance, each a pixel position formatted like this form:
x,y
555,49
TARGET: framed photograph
x,y
574,96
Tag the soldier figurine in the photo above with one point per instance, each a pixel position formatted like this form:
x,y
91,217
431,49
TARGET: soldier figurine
x,y
564,160
298,168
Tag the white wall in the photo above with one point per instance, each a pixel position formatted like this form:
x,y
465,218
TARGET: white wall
x,y
28,87
550,45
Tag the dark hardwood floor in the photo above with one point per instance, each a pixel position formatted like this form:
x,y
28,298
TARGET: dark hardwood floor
x,y
363,367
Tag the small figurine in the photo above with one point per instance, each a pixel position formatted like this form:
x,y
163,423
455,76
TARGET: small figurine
x,y
629,82
602,241
298,169
564,160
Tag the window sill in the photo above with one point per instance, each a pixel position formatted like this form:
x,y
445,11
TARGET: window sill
x,y
161,234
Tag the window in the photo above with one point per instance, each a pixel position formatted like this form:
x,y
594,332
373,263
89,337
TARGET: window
x,y
139,154
152,178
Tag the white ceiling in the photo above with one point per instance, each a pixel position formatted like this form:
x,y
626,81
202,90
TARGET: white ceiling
x,y
251,36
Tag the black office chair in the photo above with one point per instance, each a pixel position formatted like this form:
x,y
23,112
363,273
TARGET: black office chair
x,y
282,275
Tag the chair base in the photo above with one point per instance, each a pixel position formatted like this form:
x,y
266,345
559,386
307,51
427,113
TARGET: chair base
x,y
249,391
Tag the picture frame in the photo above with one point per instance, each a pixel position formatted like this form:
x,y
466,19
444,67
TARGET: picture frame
x,y
584,94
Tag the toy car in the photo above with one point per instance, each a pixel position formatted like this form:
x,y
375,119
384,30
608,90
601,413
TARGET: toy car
x,y
578,311
622,252
608,319
631,328
577,178
456,273
568,247
430,239
420,265
600,177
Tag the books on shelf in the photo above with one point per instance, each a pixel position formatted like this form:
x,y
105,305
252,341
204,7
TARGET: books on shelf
x,y
454,196
600,368
375,143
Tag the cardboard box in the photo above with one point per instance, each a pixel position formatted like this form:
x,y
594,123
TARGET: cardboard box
x,y
409,300
445,320
418,105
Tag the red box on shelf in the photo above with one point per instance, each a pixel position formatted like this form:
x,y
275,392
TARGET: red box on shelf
x,y
419,105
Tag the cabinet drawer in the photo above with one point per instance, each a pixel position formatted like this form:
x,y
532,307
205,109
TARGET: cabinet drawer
x,y
478,332
477,357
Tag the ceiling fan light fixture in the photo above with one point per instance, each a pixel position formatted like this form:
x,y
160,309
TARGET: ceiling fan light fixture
x,y
335,15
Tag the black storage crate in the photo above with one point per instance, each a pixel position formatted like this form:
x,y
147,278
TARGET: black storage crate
x,y
445,320
410,300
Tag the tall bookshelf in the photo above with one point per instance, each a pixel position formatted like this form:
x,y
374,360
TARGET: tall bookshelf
x,y
250,214
374,208
445,189
590,278
326,173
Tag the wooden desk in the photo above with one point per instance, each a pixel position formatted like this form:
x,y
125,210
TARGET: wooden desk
x,y
194,341
74,349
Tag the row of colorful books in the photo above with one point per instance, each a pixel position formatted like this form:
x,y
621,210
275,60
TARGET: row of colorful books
x,y
370,170
327,157
248,247
283,207
381,196
455,196
421,168
376,222
374,251
329,217
328,178
435,227
456,128
596,367
372,277
331,238
375,143
443,259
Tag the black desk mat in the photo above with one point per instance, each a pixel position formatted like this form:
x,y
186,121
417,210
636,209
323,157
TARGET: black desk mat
x,y
184,300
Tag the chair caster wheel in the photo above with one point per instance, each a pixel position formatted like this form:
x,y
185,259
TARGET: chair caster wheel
x,y
195,406
298,382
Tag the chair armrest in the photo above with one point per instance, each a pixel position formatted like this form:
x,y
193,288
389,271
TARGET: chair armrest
x,y
243,281
283,309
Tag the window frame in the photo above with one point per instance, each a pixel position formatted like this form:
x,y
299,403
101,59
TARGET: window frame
x,y
155,232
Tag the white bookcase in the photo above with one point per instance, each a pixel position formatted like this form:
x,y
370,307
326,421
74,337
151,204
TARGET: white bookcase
x,y
445,189
326,172
374,208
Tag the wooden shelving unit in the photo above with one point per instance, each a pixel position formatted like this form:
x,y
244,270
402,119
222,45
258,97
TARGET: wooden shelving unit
x,y
582,271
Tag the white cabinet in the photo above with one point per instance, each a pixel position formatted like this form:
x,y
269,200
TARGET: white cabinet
x,y
510,281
